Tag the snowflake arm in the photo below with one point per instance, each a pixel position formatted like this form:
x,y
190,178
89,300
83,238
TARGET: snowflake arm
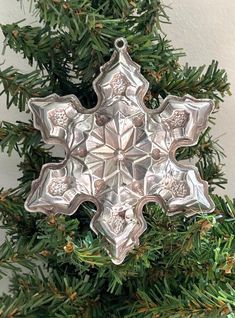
x,y
183,119
53,116
61,184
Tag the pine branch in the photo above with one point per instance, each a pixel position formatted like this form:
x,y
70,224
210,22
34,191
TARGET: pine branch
x,y
19,137
36,295
20,87
45,47
197,302
212,83
14,218
57,13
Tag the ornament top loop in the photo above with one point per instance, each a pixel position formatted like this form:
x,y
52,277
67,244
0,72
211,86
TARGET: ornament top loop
x,y
120,44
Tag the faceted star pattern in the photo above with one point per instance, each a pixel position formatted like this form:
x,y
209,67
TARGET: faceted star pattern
x,y
120,154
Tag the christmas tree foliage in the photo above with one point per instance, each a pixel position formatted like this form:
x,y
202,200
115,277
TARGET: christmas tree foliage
x,y
183,267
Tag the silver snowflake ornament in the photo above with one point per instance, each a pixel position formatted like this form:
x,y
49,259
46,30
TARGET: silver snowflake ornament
x,y
120,154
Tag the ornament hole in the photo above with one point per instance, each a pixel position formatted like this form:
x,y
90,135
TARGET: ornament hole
x,y
120,43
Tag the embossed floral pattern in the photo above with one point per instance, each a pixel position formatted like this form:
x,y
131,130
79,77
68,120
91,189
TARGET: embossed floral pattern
x,y
58,118
119,83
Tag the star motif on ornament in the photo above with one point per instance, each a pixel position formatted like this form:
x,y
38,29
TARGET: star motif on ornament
x,y
120,154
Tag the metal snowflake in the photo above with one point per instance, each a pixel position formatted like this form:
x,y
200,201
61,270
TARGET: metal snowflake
x,y
120,154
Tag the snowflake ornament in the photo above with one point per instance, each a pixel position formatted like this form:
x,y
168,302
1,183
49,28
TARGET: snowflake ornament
x,y
120,154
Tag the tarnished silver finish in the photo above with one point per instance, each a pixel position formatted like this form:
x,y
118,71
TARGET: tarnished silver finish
x,y
120,154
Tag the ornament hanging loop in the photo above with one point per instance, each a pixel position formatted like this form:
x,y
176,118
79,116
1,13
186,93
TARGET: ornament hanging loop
x,y
120,44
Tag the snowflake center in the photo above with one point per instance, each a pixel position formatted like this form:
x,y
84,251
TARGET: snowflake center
x,y
119,154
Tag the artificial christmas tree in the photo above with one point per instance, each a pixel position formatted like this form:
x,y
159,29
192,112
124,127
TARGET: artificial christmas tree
x,y
184,267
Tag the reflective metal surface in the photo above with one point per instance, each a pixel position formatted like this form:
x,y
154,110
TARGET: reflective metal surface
x,y
120,154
